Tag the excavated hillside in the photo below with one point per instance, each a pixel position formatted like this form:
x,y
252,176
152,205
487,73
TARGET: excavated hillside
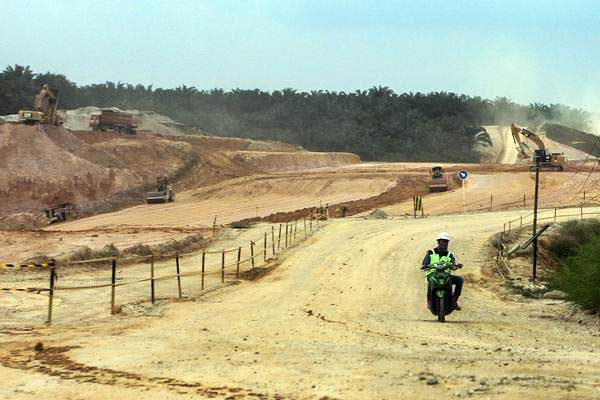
x,y
43,166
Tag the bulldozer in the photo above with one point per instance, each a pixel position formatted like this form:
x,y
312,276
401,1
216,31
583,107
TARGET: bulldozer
x,y
437,182
44,109
549,161
60,213
162,193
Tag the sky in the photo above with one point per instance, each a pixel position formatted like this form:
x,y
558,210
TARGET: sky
x,y
528,51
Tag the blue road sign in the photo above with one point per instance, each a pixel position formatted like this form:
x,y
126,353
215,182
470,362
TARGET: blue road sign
x,y
463,175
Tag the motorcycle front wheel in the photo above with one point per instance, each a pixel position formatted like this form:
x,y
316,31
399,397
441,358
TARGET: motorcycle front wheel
x,y
441,309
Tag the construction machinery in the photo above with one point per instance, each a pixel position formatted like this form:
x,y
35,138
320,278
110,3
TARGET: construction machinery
x,y
162,193
113,120
44,108
60,212
437,181
548,161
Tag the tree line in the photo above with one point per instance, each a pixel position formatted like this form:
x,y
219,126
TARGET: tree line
x,y
376,124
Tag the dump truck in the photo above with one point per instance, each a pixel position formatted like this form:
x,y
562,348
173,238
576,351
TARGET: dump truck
x,y
60,212
44,109
162,193
548,161
437,181
113,120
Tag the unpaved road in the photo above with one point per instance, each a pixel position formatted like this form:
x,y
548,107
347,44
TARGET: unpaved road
x,y
343,316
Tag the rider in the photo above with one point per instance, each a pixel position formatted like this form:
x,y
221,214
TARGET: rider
x,y
441,253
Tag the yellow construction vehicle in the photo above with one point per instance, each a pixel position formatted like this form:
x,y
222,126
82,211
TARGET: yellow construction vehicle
x,y
162,193
550,161
44,108
437,181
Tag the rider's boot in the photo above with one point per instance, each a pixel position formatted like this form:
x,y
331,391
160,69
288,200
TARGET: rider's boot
x,y
455,303
429,301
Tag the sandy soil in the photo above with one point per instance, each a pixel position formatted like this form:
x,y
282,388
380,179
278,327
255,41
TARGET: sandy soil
x,y
503,191
355,327
234,200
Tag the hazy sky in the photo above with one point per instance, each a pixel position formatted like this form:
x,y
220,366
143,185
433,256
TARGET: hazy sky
x,y
529,51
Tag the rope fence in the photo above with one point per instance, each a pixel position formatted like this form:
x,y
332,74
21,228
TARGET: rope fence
x,y
206,264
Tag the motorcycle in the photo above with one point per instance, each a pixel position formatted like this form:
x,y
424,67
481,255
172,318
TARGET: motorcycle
x,y
441,288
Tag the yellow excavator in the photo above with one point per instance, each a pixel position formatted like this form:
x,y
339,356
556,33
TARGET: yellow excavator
x,y
549,161
44,108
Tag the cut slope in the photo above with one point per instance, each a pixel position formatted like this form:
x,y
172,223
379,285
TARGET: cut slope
x,y
43,166
239,199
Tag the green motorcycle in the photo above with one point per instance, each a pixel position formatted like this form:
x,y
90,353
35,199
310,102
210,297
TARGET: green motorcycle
x,y
440,284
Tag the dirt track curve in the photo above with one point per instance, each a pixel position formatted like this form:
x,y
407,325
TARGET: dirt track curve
x,y
341,317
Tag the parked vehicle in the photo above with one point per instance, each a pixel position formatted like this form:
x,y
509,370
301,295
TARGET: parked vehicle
x,y
117,121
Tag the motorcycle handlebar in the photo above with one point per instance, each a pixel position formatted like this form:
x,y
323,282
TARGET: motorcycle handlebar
x,y
457,266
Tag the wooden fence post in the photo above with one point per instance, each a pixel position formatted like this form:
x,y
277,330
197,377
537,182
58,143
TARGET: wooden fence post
x,y
279,239
265,248
524,200
113,280
304,222
223,266
178,274
521,221
237,271
295,229
51,294
273,238
584,197
504,228
252,253
581,208
491,201
286,235
214,225
509,225
203,269
554,214
311,225
152,278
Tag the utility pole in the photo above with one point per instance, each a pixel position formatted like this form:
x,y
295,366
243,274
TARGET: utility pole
x,y
539,154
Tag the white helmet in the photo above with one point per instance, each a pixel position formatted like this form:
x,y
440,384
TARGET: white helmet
x,y
443,236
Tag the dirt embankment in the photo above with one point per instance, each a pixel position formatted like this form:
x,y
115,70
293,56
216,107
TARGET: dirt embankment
x,y
43,166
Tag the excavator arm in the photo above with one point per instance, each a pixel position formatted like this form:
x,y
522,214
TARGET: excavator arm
x,y
516,130
46,101
44,108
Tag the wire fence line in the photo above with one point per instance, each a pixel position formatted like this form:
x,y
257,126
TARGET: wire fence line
x,y
566,213
211,267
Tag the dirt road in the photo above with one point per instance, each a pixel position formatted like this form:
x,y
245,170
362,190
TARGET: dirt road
x,y
342,316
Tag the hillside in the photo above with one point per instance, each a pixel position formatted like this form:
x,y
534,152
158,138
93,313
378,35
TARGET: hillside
x,y
43,166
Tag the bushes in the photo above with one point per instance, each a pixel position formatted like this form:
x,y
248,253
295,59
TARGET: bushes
x,y
571,235
579,276
577,247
